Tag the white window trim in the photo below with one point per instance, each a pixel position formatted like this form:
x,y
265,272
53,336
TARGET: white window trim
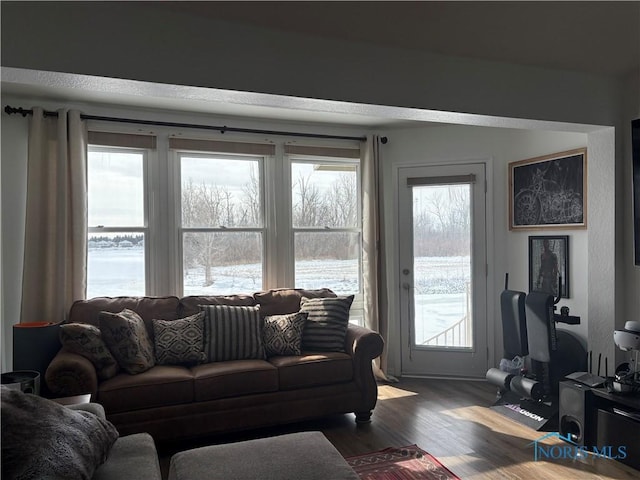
x,y
163,230
144,229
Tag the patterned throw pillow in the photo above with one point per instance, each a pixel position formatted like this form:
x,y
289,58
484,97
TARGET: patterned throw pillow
x,y
86,340
127,338
327,322
179,341
282,334
232,333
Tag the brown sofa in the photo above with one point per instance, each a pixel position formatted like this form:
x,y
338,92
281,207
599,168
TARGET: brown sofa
x,y
172,402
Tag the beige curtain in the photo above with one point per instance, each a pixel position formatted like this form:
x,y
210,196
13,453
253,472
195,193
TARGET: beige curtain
x,y
373,261
55,252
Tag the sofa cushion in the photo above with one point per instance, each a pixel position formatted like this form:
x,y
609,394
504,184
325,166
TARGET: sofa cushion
x,y
179,341
191,304
233,378
42,439
127,338
86,340
280,301
88,311
327,322
282,334
232,333
313,369
159,386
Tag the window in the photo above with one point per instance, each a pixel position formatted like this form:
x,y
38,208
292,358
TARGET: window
x,y
117,222
209,217
117,215
326,224
222,224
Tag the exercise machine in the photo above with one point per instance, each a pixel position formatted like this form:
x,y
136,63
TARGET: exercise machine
x,y
530,396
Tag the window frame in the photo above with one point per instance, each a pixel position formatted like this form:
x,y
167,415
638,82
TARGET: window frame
x,y
178,154
356,314
290,159
145,228
163,231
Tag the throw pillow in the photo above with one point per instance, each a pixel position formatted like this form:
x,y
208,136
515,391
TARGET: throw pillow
x,y
127,338
232,333
179,341
327,322
282,334
43,439
280,301
86,340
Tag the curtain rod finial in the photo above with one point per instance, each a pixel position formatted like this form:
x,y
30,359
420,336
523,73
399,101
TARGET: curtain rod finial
x,y
384,140
9,110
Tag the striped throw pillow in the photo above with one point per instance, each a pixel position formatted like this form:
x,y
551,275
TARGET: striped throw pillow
x,y
327,322
232,333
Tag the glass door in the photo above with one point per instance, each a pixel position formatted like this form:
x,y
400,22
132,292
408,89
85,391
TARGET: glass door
x,y
443,270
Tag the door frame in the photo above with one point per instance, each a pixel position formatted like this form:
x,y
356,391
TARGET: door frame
x,y
393,262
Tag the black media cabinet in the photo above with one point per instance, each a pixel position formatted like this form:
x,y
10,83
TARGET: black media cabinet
x,y
595,418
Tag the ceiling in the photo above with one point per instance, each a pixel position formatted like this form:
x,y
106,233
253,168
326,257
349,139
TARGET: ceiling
x,y
594,37
597,37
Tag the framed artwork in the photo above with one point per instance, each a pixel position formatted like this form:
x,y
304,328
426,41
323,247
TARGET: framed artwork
x,y
549,192
549,265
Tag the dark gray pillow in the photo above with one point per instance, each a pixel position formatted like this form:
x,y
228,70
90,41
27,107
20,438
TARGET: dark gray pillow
x,y
232,333
127,338
41,439
179,341
86,340
327,322
282,334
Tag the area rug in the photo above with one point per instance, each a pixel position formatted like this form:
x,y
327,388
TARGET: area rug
x,y
404,463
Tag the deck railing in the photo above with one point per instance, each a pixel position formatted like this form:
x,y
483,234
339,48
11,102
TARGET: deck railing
x,y
458,334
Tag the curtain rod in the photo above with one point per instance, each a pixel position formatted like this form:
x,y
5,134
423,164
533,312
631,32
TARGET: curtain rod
x,y
24,112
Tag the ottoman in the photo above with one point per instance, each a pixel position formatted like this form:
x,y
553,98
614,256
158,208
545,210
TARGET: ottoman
x,y
296,456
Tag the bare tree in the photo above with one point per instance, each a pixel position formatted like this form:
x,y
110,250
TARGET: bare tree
x,y
202,206
307,207
252,213
341,202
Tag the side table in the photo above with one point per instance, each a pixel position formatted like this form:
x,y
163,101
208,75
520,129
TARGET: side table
x,y
74,400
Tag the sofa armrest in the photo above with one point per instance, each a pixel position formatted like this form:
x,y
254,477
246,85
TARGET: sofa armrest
x,y
364,345
71,374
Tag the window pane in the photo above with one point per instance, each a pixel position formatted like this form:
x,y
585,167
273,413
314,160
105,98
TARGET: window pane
x,y
115,185
442,265
324,195
330,260
115,265
220,192
222,262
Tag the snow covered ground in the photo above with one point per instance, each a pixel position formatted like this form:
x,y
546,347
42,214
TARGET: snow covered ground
x,y
440,282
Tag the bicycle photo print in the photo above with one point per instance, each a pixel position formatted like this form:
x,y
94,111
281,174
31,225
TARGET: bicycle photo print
x,y
549,192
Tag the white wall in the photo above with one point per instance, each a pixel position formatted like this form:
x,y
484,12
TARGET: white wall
x,y
507,251
406,146
130,41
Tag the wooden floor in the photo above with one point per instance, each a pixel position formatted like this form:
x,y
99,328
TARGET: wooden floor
x,y
451,420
